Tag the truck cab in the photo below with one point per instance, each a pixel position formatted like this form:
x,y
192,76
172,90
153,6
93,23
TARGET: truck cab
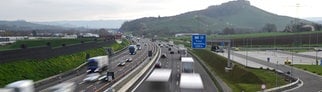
x,y
132,49
97,64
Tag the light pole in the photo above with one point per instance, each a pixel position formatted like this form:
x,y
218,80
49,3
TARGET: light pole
x,y
316,57
276,73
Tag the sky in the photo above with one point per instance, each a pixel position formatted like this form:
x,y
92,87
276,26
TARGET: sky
x,y
57,10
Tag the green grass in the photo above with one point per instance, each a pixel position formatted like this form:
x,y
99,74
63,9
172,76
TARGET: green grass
x,y
240,78
37,69
43,42
255,35
311,68
249,35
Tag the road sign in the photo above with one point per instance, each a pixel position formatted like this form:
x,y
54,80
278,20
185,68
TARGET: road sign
x,y
198,41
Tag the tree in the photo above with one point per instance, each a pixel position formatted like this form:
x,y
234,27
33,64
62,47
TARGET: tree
x,y
229,31
269,28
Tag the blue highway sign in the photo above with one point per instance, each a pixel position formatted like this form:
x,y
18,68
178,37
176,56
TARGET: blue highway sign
x,y
198,41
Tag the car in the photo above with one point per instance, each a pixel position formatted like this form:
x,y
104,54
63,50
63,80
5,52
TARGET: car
x,y
164,55
171,52
92,77
129,60
122,63
169,49
158,65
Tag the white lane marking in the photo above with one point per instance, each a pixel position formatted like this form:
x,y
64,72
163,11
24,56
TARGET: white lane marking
x,y
89,86
177,82
81,83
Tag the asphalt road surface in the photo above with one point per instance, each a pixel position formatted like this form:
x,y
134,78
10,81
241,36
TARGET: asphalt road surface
x,y
312,82
172,62
119,71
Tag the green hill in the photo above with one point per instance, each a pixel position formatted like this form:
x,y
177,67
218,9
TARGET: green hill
x,y
240,15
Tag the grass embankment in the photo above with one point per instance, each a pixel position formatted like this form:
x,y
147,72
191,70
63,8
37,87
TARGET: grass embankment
x,y
255,35
39,69
43,42
311,68
240,78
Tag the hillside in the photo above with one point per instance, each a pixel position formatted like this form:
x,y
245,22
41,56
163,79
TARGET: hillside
x,y
21,25
239,15
87,24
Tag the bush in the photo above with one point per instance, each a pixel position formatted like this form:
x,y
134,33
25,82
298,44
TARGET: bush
x,y
23,46
37,69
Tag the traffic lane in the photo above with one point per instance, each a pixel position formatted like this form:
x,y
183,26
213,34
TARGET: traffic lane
x,y
78,77
88,87
209,85
176,70
171,62
104,85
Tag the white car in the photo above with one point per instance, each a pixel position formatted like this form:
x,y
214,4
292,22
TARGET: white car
x,y
92,77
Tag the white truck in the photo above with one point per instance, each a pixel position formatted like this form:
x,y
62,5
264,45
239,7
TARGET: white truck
x,y
187,64
138,45
191,82
97,64
182,51
21,86
62,87
171,43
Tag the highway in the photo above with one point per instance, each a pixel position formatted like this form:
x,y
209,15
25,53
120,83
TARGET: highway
x,y
119,71
312,82
172,62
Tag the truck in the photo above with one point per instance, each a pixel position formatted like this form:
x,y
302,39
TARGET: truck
x,y
132,49
22,86
62,87
187,64
191,82
138,45
97,64
217,49
182,51
171,44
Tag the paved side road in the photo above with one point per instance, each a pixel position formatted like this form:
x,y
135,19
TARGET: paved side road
x,y
312,82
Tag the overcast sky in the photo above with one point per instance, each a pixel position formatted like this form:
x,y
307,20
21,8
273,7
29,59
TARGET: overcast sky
x,y
54,10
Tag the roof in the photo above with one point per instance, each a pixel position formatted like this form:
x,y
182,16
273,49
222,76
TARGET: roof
x,y
191,81
22,83
160,75
186,59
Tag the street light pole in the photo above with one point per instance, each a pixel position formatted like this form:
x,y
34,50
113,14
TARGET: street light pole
x,y
316,57
276,73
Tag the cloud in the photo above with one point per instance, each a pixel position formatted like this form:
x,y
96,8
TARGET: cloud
x,y
50,10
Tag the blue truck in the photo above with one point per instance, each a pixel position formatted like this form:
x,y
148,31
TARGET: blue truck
x,y
132,49
97,64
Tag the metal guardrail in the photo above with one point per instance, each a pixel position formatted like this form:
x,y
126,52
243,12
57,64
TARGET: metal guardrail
x,y
73,71
221,86
285,87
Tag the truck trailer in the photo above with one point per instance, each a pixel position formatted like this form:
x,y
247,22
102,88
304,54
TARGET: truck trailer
x,y
187,64
22,86
191,82
97,64
182,51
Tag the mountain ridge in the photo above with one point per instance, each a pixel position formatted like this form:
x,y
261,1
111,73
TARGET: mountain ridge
x,y
238,14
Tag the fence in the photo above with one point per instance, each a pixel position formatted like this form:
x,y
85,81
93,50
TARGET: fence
x,y
47,52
